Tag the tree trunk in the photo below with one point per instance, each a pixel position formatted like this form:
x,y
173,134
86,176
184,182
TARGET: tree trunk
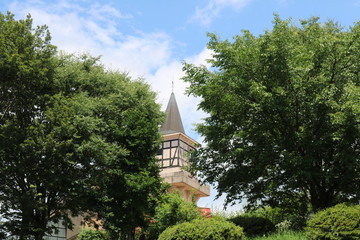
x,y
131,235
39,236
320,198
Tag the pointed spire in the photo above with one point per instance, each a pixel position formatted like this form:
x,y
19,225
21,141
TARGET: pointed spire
x,y
173,123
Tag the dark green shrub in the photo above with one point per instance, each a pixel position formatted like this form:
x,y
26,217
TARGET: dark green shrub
x,y
341,222
254,226
283,219
92,234
203,229
275,215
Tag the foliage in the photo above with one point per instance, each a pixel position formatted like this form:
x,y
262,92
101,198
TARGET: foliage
x,y
275,215
90,234
172,210
26,70
203,229
222,213
126,120
283,219
73,137
339,222
283,226
254,226
287,235
283,115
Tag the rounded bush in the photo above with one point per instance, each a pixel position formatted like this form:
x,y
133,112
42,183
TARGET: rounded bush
x,y
171,211
336,223
203,229
254,226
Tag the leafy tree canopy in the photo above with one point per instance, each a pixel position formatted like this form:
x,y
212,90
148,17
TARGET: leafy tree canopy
x,y
283,125
73,137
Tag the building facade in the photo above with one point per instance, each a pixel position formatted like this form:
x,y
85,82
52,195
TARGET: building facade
x,y
174,154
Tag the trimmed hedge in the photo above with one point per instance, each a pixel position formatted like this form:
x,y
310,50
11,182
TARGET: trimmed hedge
x,y
341,222
254,226
203,229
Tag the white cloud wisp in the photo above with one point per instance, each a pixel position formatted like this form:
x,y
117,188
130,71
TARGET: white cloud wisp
x,y
206,14
76,29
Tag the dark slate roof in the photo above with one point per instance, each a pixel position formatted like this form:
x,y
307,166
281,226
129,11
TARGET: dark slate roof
x,y
173,123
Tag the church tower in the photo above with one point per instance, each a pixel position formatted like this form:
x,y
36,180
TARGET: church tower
x,y
173,156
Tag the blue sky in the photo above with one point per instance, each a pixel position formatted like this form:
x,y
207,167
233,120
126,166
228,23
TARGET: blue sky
x,y
150,39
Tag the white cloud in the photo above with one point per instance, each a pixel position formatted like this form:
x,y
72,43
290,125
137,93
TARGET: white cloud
x,y
201,58
139,54
102,12
206,14
77,29
95,29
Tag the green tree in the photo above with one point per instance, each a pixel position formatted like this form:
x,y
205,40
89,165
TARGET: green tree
x,y
26,70
283,125
73,138
121,117
171,210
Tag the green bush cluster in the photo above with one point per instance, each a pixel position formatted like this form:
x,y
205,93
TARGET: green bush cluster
x,y
172,210
282,218
92,234
254,226
341,222
203,229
